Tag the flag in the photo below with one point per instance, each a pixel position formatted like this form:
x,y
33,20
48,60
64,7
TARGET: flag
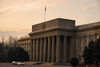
x,y
45,8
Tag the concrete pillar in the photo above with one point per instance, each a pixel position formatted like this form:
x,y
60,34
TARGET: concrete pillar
x,y
34,50
28,49
49,49
53,55
37,50
26,46
73,50
45,50
77,46
31,51
58,49
65,49
87,41
41,50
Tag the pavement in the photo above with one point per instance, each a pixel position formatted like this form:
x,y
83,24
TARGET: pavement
x,y
32,64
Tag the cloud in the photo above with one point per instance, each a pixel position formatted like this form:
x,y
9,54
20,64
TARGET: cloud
x,y
86,8
98,1
92,0
56,3
88,0
5,10
16,29
20,5
6,34
12,33
26,5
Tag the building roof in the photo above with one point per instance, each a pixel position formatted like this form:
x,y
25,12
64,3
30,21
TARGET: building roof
x,y
89,26
58,23
24,38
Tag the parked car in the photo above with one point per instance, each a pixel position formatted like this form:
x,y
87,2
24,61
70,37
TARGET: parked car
x,y
20,63
14,62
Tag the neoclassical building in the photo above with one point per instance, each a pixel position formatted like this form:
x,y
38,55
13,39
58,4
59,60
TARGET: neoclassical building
x,y
25,43
59,40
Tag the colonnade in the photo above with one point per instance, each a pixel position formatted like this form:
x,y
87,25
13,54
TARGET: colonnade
x,y
25,46
84,41
51,49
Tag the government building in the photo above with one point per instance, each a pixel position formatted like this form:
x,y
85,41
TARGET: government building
x,y
58,40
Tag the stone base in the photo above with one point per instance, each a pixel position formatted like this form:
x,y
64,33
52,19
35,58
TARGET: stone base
x,y
62,64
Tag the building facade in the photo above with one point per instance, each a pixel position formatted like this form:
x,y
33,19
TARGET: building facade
x,y
59,40
25,43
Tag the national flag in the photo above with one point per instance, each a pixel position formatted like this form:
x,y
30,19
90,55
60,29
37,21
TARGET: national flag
x,y
45,8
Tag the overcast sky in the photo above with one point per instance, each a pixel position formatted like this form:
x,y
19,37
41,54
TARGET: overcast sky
x,y
18,16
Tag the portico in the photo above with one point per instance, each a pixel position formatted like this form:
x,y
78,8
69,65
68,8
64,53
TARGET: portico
x,y
59,40
52,41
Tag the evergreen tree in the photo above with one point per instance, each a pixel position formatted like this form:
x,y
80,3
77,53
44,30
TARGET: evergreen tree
x,y
18,54
97,52
91,53
85,55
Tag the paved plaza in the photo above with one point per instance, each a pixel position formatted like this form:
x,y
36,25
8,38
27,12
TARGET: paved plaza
x,y
30,64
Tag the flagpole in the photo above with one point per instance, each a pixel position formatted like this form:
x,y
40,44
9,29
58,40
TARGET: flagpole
x,y
45,14
44,10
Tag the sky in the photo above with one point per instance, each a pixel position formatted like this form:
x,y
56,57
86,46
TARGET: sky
x,y
18,16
